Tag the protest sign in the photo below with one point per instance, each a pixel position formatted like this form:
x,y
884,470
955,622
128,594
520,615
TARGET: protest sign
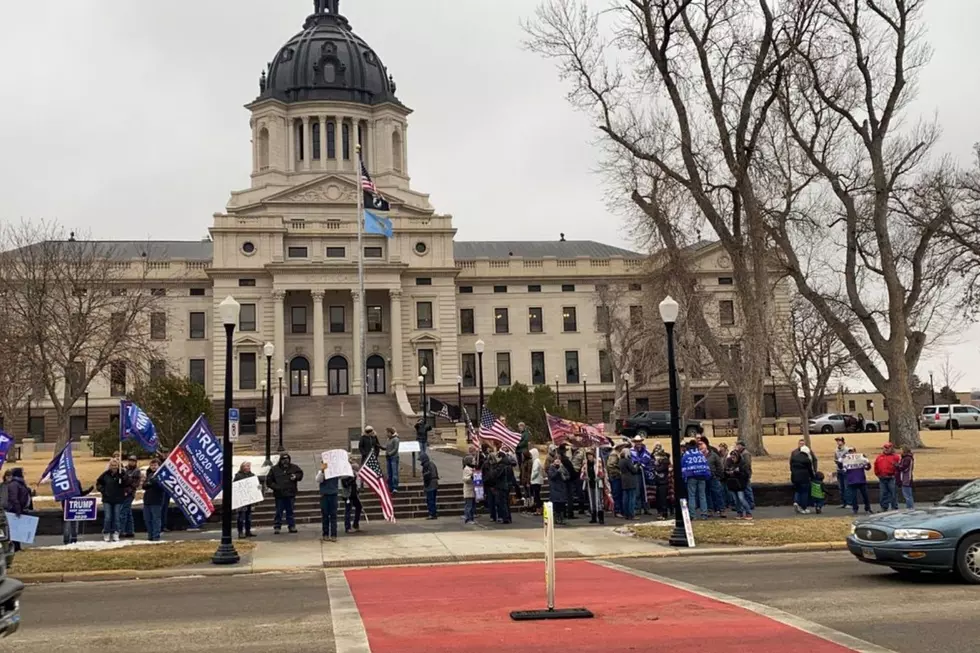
x,y
854,461
23,528
81,509
338,463
246,492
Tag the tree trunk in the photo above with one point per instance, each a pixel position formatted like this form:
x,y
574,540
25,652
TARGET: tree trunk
x,y
903,415
64,429
805,425
750,420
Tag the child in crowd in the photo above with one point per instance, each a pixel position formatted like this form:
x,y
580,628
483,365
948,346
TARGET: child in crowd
x,y
817,494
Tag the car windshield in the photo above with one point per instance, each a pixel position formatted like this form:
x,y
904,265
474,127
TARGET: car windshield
x,y
967,496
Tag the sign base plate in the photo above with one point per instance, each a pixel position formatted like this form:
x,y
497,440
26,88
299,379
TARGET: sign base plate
x,y
560,613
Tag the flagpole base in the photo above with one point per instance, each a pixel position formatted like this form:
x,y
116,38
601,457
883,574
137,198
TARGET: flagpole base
x,y
226,554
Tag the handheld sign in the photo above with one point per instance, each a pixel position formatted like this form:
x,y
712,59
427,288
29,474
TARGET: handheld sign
x,y
338,464
23,528
246,492
81,509
234,424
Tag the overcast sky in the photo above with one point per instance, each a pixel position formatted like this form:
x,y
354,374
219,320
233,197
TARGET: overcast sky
x,y
125,118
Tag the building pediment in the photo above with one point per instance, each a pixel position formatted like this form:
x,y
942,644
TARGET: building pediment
x,y
425,340
248,341
329,189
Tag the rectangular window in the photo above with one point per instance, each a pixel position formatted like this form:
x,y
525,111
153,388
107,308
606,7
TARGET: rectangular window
x,y
469,372
375,319
503,368
158,292
534,288
331,140
246,283
605,367
642,404
535,319
636,316
768,405
117,322
732,406
427,359
699,408
575,407
538,376
297,252
500,288
607,408
158,369
247,418
568,287
336,316
158,325
635,287
850,405
195,371
602,319
246,318
726,312
569,319
571,367
117,379
373,252
423,315
466,290
298,318
345,140
336,252
726,281
501,320
35,428
870,404
197,292
423,281
118,292
466,325
198,326
246,370
472,410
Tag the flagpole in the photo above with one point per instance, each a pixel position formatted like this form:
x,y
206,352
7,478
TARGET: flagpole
x,y
362,317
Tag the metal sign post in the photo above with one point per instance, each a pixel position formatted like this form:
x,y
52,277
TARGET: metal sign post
x,y
549,579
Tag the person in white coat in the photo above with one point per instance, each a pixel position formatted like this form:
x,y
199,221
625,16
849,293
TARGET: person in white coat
x,y
537,479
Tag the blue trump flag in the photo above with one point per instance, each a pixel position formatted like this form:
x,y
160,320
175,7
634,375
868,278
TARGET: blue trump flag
x,y
377,224
5,443
64,480
134,424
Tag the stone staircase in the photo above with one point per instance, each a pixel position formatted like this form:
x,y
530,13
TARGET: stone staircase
x,y
321,423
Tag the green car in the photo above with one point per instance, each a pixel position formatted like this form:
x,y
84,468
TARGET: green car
x,y
10,589
944,538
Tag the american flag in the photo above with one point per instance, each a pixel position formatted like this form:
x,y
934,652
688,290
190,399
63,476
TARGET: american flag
x,y
366,183
370,475
492,428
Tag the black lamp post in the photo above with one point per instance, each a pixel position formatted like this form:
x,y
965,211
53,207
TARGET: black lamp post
x,y
479,363
668,312
585,394
932,388
269,349
459,394
557,392
226,553
425,407
626,380
871,405
280,448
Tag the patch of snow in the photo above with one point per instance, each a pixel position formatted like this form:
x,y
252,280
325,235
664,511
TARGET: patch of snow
x,y
100,546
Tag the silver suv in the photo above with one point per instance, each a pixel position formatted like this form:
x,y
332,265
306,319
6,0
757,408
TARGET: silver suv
x,y
938,417
10,589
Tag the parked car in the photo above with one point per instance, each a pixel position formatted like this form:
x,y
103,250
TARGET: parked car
x,y
938,417
945,538
841,423
10,589
654,423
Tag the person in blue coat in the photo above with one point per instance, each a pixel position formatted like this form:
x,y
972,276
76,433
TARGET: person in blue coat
x,y
558,483
696,473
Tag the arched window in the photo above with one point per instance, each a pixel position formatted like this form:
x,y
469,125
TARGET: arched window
x,y
315,145
331,140
300,150
263,148
396,151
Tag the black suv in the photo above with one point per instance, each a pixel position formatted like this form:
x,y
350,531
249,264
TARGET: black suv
x,y
10,589
654,423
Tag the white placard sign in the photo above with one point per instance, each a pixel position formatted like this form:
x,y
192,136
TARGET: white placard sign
x,y
688,528
23,528
854,461
246,492
410,446
338,463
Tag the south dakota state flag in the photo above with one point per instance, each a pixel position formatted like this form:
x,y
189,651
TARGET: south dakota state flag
x,y
377,224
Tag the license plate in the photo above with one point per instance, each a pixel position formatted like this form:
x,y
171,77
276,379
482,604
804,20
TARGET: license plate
x,y
869,554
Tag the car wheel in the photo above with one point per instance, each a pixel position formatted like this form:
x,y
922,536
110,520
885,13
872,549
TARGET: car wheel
x,y
968,559
692,431
826,428
870,428
642,433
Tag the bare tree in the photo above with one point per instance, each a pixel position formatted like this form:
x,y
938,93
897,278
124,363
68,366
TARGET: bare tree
x,y
949,374
16,378
808,352
82,307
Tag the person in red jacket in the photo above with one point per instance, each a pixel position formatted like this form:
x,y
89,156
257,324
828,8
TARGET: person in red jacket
x,y
886,469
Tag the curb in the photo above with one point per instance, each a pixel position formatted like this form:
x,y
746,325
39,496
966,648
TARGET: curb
x,y
248,569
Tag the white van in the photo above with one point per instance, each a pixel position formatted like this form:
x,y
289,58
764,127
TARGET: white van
x,y
938,417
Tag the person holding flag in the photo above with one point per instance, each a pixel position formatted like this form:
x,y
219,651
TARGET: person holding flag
x,y
64,486
6,442
112,485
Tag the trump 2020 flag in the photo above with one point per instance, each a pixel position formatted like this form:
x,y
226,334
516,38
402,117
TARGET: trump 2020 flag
x,y
378,225
64,480
5,443
134,424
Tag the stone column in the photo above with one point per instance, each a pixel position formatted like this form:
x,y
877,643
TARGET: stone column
x,y
255,146
395,327
307,145
318,366
279,330
323,142
357,363
290,145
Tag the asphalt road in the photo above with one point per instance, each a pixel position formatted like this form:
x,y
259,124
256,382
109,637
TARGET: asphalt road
x,y
934,614
259,613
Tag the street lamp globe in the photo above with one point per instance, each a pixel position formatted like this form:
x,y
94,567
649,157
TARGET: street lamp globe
x,y
669,310
262,382
229,309
269,349
424,370
279,374
459,379
479,346
626,377
421,378
585,377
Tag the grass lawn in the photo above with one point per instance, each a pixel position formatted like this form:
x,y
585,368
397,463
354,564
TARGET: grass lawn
x,y
942,458
768,532
88,469
138,557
